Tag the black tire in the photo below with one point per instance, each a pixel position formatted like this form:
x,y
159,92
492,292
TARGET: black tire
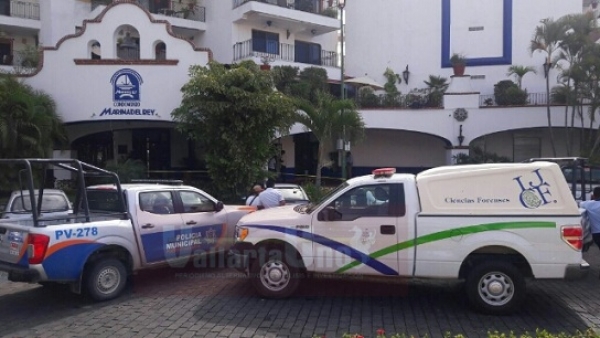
x,y
274,277
106,279
496,288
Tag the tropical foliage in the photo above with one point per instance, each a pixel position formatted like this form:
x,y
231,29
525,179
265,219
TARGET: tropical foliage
x,y
235,114
478,155
508,93
437,86
30,126
546,39
326,119
519,72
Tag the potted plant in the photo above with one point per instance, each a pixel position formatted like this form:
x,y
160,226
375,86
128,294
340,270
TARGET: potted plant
x,y
266,62
459,63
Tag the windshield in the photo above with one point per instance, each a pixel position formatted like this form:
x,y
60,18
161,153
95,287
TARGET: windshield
x,y
50,203
315,205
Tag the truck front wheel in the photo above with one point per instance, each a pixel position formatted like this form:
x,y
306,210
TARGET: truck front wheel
x,y
275,277
106,279
495,288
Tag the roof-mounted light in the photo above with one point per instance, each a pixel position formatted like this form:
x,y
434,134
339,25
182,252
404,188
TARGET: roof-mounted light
x,y
384,172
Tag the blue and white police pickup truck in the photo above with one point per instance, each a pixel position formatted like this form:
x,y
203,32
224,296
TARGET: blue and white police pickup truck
x,y
114,231
492,225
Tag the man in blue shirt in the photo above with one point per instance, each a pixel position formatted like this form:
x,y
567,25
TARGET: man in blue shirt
x,y
592,207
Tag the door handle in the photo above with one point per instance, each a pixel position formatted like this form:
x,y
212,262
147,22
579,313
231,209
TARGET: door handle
x,y
148,226
387,229
190,222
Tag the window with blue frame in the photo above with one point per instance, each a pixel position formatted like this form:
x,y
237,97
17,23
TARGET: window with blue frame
x,y
306,52
265,42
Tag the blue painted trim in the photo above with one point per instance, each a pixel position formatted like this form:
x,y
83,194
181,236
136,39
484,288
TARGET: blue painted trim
x,y
337,246
505,59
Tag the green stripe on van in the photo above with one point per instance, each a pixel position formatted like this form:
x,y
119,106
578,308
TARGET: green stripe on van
x,y
438,236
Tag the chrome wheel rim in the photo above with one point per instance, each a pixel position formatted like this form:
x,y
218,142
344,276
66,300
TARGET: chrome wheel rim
x,y
275,275
496,288
108,280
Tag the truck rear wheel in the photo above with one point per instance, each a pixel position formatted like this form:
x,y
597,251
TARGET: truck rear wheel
x,y
106,279
275,277
495,288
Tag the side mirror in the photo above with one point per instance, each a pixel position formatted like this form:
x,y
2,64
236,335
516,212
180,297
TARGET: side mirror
x,y
329,214
219,206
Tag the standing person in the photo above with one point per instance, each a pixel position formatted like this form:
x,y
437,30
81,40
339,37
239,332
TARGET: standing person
x,y
592,209
349,162
270,197
253,200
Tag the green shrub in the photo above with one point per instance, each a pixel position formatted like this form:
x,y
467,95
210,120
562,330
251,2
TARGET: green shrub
x,y
507,93
314,193
330,12
367,98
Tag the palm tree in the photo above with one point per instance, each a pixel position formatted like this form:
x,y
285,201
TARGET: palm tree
x,y
29,123
437,86
574,47
519,72
326,118
547,38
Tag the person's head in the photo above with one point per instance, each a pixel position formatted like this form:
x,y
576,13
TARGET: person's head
x,y
270,183
596,194
257,188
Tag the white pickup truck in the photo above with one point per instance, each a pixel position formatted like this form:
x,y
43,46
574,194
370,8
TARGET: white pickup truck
x,y
114,231
54,203
493,225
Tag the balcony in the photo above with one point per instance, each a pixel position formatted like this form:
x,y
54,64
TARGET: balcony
x,y
179,9
20,9
314,17
286,52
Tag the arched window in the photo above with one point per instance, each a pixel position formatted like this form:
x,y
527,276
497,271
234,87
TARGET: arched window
x,y
127,43
160,51
94,50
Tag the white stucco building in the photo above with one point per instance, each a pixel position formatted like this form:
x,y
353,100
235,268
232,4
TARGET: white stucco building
x,y
116,69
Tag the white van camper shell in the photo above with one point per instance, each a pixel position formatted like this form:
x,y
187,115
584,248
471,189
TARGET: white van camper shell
x,y
537,188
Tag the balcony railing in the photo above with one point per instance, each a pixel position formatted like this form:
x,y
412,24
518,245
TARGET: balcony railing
x,y
285,52
370,100
311,6
174,8
128,54
533,99
21,9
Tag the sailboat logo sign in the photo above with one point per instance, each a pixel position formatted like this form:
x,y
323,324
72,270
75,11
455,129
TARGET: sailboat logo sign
x,y
126,84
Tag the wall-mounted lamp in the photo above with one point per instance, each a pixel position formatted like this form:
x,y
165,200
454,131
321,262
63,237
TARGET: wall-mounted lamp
x,y
461,138
547,65
406,75
313,31
287,32
269,23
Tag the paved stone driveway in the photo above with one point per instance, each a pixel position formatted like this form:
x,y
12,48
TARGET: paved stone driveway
x,y
220,303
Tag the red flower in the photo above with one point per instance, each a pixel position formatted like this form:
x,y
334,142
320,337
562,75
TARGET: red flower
x,y
380,332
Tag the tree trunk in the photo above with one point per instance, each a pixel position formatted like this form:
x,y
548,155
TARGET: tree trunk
x,y
319,164
549,115
567,129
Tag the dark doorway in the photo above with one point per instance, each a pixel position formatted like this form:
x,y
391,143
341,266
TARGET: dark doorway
x,y
306,149
95,149
153,147
4,7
